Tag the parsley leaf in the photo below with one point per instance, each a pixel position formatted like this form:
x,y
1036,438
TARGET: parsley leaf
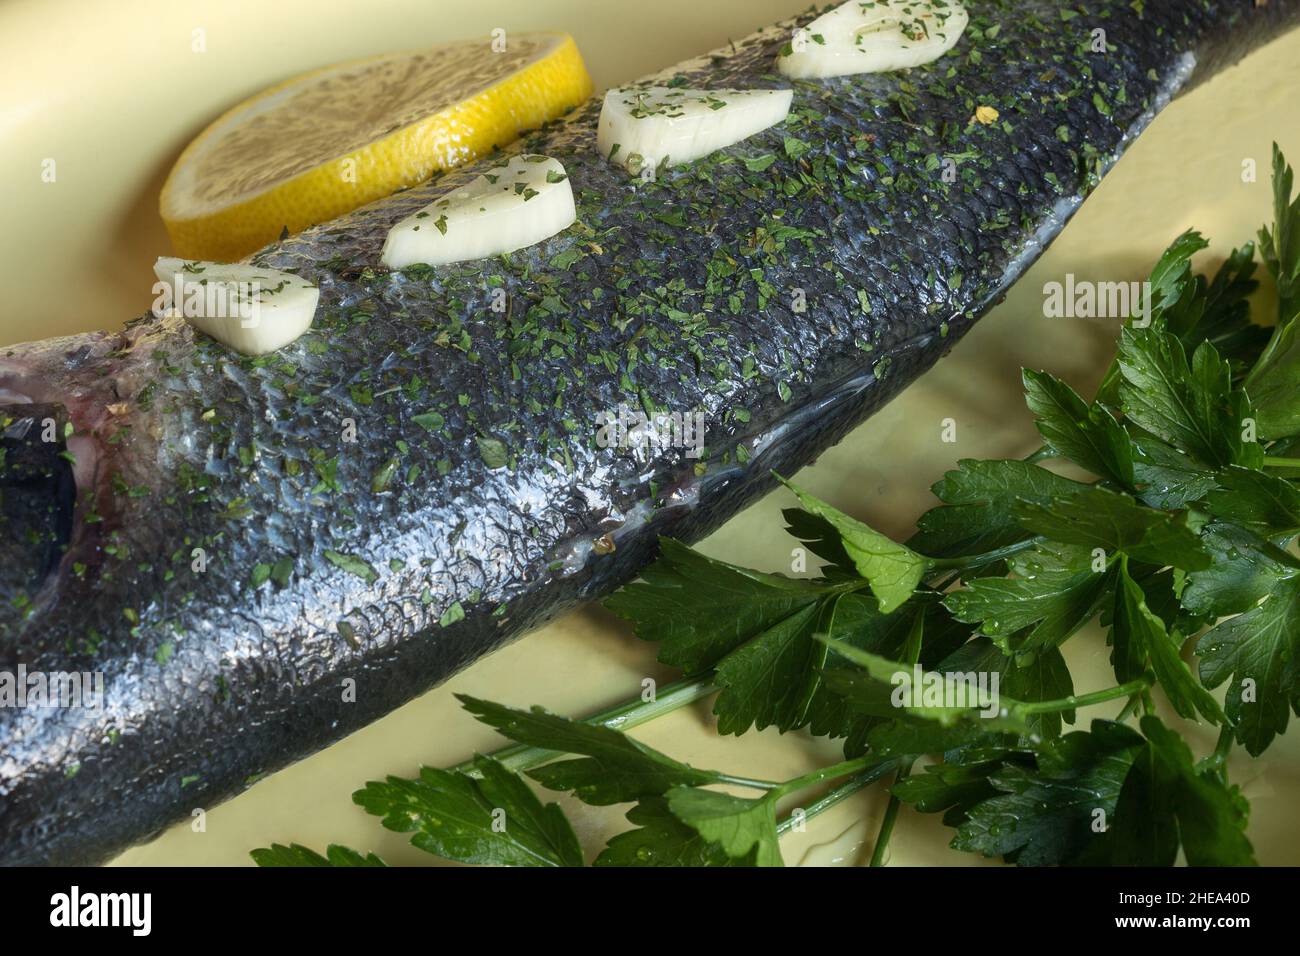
x,y
1053,592
1275,372
1100,518
1245,569
778,678
1220,313
493,452
1086,434
741,826
892,570
1108,796
1196,311
853,703
820,537
1274,382
1038,676
1144,634
429,421
947,698
1164,802
978,510
663,840
493,820
1259,649
353,565
296,855
1280,246
1256,500
1046,815
758,630
1174,291
1167,478
614,768
1172,276
772,678
699,609
912,737
952,788
1192,406
758,164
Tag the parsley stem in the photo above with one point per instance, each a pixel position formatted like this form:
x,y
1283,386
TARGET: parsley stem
x,y
837,795
625,716
1226,739
1129,708
886,831
1217,761
988,557
1272,462
889,819
842,769
1042,454
1136,686
744,781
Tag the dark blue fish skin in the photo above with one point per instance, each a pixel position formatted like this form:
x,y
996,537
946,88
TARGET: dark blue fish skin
x,y
215,676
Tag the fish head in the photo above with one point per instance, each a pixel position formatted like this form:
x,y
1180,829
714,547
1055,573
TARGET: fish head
x,y
37,503
67,414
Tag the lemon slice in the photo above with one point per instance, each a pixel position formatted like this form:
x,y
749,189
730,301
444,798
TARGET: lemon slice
x,y
322,144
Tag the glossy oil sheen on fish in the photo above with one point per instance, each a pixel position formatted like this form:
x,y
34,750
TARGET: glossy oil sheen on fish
x,y
265,554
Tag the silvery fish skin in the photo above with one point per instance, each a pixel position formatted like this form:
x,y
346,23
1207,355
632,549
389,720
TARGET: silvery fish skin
x,y
263,556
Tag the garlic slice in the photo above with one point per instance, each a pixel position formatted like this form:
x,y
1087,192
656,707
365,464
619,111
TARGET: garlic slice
x,y
512,205
250,309
873,36
663,125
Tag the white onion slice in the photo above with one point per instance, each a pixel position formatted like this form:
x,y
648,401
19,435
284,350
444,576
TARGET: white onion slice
x,y
662,125
874,36
512,205
251,309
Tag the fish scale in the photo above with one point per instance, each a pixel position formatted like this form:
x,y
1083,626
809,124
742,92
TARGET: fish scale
x,y
677,293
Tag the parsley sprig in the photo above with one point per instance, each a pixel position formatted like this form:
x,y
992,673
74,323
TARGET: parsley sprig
x,y
1181,540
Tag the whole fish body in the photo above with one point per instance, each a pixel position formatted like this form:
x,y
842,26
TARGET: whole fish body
x,y
261,556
